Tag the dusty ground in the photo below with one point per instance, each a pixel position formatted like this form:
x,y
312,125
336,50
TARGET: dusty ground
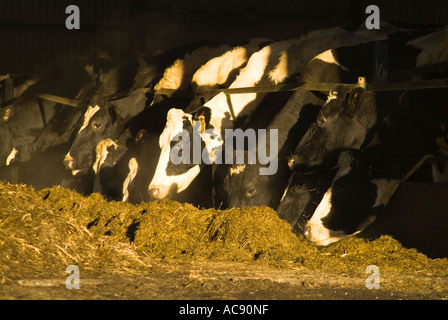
x,y
227,281
171,251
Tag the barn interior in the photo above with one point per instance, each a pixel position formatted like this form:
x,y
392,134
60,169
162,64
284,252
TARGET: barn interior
x,y
35,38
410,237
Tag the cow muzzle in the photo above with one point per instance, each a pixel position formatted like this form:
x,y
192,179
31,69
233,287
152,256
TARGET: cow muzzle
x,y
295,161
69,162
159,191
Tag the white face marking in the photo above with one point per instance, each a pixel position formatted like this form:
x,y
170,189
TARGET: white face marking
x,y
385,191
333,95
133,168
238,169
316,232
11,156
88,116
182,182
101,153
173,127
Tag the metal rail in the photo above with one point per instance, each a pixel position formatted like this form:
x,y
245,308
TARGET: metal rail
x,y
388,86
65,101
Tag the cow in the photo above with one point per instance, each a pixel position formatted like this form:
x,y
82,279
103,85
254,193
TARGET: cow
x,y
302,196
314,161
142,146
35,133
337,128
214,117
107,116
242,184
342,124
366,179
25,119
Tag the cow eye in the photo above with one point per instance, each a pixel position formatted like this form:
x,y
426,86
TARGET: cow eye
x,y
251,192
96,125
321,121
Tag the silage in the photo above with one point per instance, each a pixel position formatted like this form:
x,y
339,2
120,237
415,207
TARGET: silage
x,y
38,241
50,229
168,229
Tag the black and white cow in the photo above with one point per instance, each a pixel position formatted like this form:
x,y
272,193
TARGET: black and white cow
x,y
367,179
349,116
209,122
106,118
24,120
348,120
35,136
242,184
137,163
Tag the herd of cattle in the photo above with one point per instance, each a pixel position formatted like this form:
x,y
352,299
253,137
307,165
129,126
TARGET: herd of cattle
x,y
341,153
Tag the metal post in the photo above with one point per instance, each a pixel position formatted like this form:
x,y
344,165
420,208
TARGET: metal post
x,y
381,56
7,92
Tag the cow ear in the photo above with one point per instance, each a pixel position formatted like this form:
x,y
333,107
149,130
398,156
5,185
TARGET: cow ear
x,y
131,105
113,113
354,100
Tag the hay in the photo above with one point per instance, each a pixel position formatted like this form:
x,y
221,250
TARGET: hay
x,y
168,229
37,241
44,231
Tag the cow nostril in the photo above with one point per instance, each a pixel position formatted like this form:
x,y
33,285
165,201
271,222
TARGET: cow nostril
x,y
154,191
306,232
293,161
69,162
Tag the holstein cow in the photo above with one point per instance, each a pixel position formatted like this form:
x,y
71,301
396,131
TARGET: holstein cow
x,y
24,120
346,121
37,134
239,185
206,125
367,179
343,124
106,118
242,184
139,160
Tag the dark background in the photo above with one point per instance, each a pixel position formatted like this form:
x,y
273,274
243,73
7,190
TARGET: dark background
x,y
33,36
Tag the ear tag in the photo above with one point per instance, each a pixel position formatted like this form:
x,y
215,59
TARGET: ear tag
x,y
201,118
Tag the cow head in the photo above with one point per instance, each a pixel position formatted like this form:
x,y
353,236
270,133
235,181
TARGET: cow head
x,y
169,177
342,124
240,184
187,143
104,119
302,196
350,204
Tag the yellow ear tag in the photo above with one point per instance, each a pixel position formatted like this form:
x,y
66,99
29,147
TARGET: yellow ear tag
x,y
202,120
